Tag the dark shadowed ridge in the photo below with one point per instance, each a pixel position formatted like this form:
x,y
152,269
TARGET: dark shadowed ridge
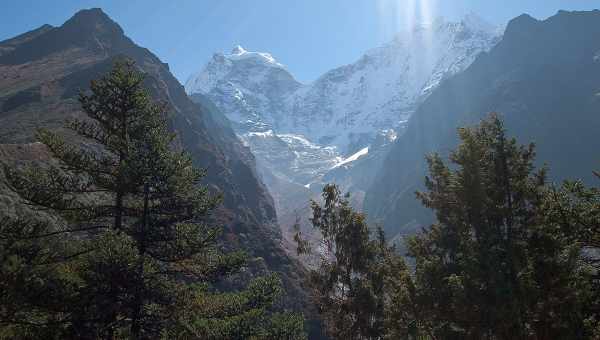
x,y
544,77
9,44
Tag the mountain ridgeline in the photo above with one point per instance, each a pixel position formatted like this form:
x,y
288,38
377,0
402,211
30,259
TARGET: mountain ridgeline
x,y
347,106
337,128
543,77
42,74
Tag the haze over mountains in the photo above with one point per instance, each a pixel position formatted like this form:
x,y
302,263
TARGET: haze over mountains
x,y
304,135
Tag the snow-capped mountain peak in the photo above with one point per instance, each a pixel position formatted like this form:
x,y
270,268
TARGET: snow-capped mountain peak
x,y
346,108
239,53
340,127
348,105
240,67
238,50
249,87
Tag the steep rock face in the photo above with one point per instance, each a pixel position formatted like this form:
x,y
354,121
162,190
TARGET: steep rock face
x,y
543,77
41,73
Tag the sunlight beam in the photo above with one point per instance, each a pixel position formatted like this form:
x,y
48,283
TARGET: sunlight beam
x,y
403,15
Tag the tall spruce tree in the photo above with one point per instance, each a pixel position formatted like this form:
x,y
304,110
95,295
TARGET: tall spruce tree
x,y
495,265
141,251
351,284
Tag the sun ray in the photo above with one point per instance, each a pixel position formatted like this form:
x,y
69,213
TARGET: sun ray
x,y
402,16
427,11
407,11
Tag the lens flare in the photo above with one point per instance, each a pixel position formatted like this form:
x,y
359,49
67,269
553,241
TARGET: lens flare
x,y
404,15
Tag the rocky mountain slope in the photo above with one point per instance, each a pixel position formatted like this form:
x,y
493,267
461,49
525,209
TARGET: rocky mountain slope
x,y
41,73
543,77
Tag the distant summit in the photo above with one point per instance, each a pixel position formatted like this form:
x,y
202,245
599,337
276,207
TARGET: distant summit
x,y
346,107
93,19
238,50
339,127
239,53
249,87
90,30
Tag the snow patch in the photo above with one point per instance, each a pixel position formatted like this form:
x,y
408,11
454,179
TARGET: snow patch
x,y
239,53
266,134
353,158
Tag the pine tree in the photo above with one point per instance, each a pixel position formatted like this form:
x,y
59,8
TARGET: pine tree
x,y
35,282
145,255
573,211
350,284
494,266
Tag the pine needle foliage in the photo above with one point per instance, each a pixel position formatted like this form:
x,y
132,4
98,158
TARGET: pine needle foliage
x,y
497,264
351,283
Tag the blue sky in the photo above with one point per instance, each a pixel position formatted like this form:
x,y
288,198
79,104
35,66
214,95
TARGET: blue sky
x,y
308,36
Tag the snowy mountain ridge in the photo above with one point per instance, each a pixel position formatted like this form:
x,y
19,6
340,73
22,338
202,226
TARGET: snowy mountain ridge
x,y
348,105
339,127
248,87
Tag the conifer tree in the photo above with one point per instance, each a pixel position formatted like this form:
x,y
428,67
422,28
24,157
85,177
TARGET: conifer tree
x,y
494,266
573,211
350,284
35,282
145,256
